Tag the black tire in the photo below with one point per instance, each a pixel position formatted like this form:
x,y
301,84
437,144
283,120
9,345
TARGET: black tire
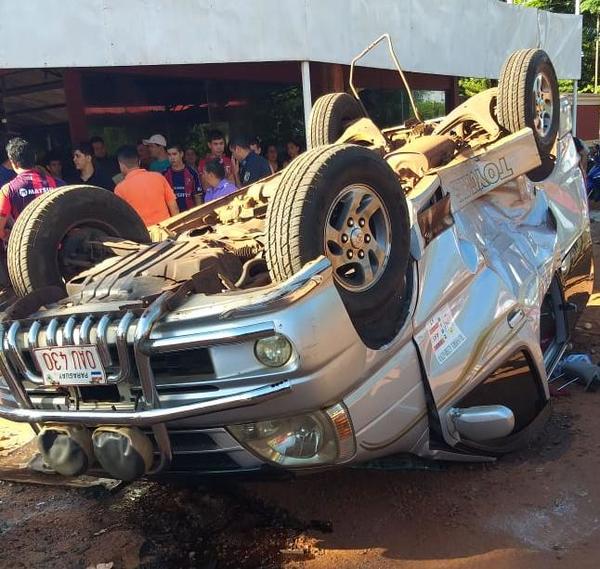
x,y
305,202
35,240
516,106
330,116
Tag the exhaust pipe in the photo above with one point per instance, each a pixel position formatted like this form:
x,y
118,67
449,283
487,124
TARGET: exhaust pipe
x,y
123,452
67,449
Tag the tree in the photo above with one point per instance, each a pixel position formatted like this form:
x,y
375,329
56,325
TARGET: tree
x,y
593,7
560,6
470,86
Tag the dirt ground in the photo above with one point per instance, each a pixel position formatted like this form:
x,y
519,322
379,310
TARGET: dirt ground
x,y
536,509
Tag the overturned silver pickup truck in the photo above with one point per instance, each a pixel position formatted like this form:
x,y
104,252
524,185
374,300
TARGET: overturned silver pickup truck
x,y
399,291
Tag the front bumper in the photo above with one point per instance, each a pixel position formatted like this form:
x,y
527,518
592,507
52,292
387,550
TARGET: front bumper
x,y
132,348
148,417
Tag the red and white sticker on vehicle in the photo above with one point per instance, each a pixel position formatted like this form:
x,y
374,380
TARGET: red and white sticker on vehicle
x,y
444,334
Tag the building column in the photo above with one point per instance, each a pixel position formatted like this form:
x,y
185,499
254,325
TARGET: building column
x,y
336,78
3,120
575,82
306,95
452,96
78,128
328,78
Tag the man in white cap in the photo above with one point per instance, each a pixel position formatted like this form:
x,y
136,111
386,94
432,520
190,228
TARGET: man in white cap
x,y
157,144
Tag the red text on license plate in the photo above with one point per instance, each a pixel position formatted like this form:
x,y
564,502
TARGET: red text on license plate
x,y
70,365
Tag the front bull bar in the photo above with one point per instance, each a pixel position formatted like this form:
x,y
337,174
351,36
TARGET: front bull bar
x,y
148,417
288,292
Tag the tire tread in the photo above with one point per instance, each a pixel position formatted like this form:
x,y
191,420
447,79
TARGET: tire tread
x,y
512,110
328,112
23,244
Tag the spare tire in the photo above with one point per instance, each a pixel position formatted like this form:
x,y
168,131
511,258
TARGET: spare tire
x,y
47,245
330,116
528,97
345,202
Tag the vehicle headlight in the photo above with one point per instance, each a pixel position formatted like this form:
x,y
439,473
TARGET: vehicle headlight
x,y
274,351
311,439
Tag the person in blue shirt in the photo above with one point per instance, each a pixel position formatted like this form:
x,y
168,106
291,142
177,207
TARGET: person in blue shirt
x,y
248,166
217,184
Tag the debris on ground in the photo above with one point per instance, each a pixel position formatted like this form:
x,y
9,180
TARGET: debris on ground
x,y
572,368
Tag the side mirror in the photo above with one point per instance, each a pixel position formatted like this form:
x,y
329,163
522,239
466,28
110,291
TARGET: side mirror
x,y
482,423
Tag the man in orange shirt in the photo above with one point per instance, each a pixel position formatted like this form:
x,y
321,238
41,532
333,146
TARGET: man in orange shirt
x,y
148,193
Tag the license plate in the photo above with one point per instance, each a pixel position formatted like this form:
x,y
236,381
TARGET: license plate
x,y
70,365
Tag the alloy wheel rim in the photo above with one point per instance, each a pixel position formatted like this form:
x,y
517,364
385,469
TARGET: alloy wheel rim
x,y
357,237
544,104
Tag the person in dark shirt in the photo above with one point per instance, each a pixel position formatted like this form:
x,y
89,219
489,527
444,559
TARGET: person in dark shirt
x,y
294,149
216,145
144,155
107,164
87,173
272,156
183,179
6,172
190,157
256,145
248,166
29,183
53,165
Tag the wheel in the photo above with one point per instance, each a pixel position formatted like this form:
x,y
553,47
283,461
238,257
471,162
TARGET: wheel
x,y
58,235
330,116
345,202
528,97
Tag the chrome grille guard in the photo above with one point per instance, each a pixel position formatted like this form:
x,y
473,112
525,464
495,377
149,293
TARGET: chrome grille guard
x,y
14,367
69,339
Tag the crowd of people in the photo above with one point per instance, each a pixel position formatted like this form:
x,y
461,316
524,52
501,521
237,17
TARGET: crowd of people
x,y
158,178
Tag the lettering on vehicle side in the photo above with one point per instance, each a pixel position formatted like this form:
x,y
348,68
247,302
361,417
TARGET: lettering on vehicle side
x,y
481,178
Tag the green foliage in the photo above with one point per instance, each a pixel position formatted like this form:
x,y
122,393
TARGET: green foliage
x,y
196,138
565,86
391,107
430,104
561,6
592,6
469,86
431,109
279,115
